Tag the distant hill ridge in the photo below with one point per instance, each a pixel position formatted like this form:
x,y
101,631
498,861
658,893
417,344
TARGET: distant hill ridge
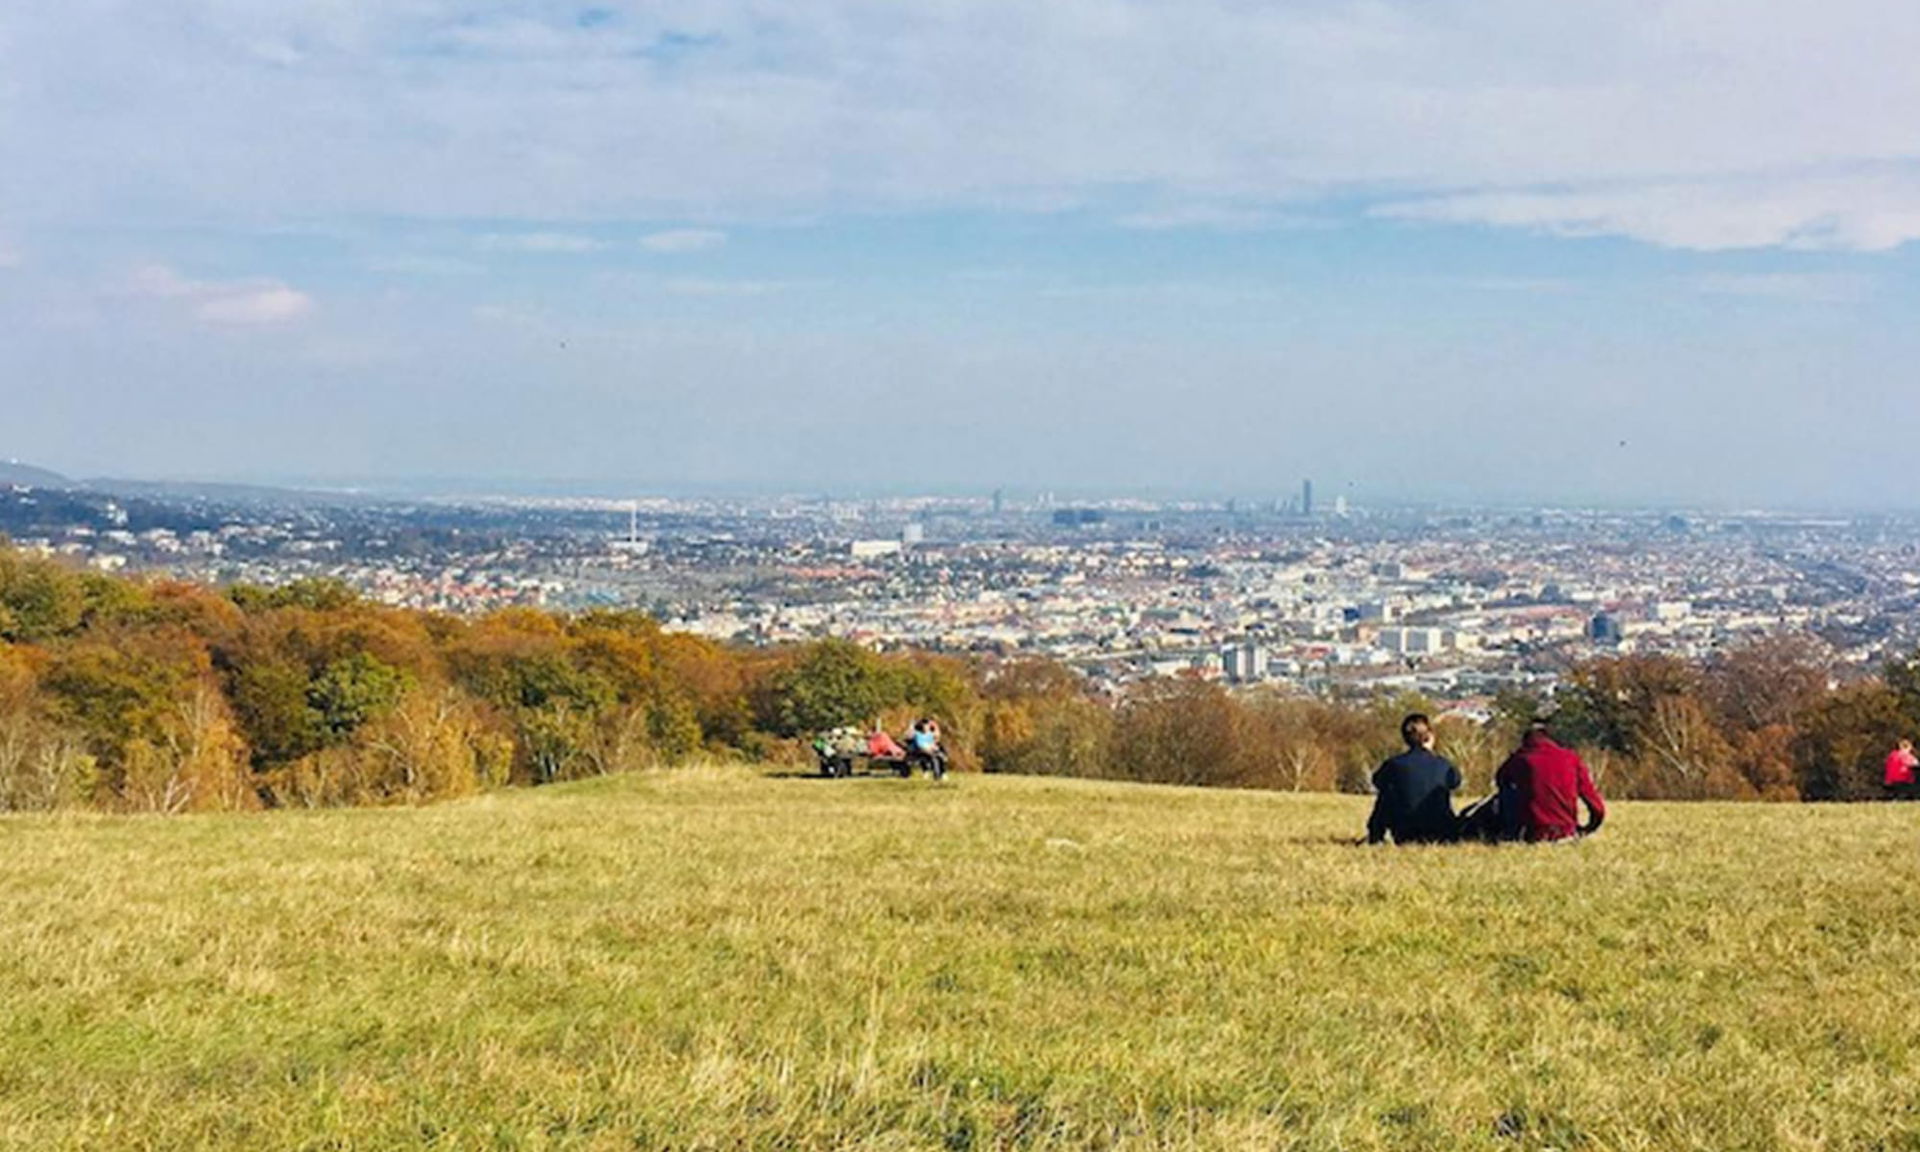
x,y
15,473
27,476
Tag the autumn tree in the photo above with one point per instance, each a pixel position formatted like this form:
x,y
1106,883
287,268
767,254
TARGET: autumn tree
x,y
1036,718
43,764
1842,738
1766,682
1177,731
150,711
523,663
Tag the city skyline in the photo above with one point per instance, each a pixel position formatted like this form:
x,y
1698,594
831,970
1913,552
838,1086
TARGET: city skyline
x,y
1641,255
620,494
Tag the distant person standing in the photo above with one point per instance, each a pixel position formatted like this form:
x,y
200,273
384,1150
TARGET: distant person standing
x,y
1542,786
1899,773
1413,792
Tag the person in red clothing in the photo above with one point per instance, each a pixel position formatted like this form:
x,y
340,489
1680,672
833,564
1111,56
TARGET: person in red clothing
x,y
1541,788
1900,765
881,746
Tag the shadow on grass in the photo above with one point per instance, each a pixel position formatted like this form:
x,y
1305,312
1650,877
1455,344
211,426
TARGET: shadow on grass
x,y
1334,840
800,774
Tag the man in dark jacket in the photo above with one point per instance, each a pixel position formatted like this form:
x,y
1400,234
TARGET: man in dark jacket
x,y
1414,791
1541,788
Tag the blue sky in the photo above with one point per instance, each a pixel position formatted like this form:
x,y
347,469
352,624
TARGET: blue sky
x,y
1622,251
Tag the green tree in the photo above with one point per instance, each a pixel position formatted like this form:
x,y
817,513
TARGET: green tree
x,y
828,684
270,698
353,690
39,600
317,594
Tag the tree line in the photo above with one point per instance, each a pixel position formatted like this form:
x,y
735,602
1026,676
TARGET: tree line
x,y
157,695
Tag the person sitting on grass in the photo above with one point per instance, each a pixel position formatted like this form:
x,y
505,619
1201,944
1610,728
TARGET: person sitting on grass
x,y
1413,792
1541,788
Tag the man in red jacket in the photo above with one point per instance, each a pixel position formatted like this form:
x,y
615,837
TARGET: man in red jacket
x,y
1541,786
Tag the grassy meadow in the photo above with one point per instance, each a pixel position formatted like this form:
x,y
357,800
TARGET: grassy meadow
x,y
711,958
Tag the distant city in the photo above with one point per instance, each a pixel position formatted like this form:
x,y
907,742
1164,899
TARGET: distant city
x,y
1323,597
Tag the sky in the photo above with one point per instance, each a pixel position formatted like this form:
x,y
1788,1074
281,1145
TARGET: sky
x,y
1615,251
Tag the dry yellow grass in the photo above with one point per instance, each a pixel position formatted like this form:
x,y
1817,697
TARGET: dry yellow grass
x,y
713,959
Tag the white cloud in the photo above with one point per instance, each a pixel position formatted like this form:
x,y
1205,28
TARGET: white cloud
x,y
1676,122
10,256
229,302
1859,212
561,243
256,304
683,240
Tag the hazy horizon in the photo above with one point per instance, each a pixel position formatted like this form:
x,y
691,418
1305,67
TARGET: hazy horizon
x,y
1634,255
618,489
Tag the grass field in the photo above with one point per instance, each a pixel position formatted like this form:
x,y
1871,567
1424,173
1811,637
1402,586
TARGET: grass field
x,y
714,959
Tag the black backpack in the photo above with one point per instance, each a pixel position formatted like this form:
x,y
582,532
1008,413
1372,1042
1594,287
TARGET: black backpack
x,y
1483,822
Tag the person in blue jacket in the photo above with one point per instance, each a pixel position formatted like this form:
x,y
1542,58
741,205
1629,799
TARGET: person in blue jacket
x,y
923,744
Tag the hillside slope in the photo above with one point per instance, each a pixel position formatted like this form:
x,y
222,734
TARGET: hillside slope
x,y
718,959
13,472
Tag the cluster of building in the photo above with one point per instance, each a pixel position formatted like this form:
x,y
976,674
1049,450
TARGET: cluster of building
x,y
1456,604
1451,606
